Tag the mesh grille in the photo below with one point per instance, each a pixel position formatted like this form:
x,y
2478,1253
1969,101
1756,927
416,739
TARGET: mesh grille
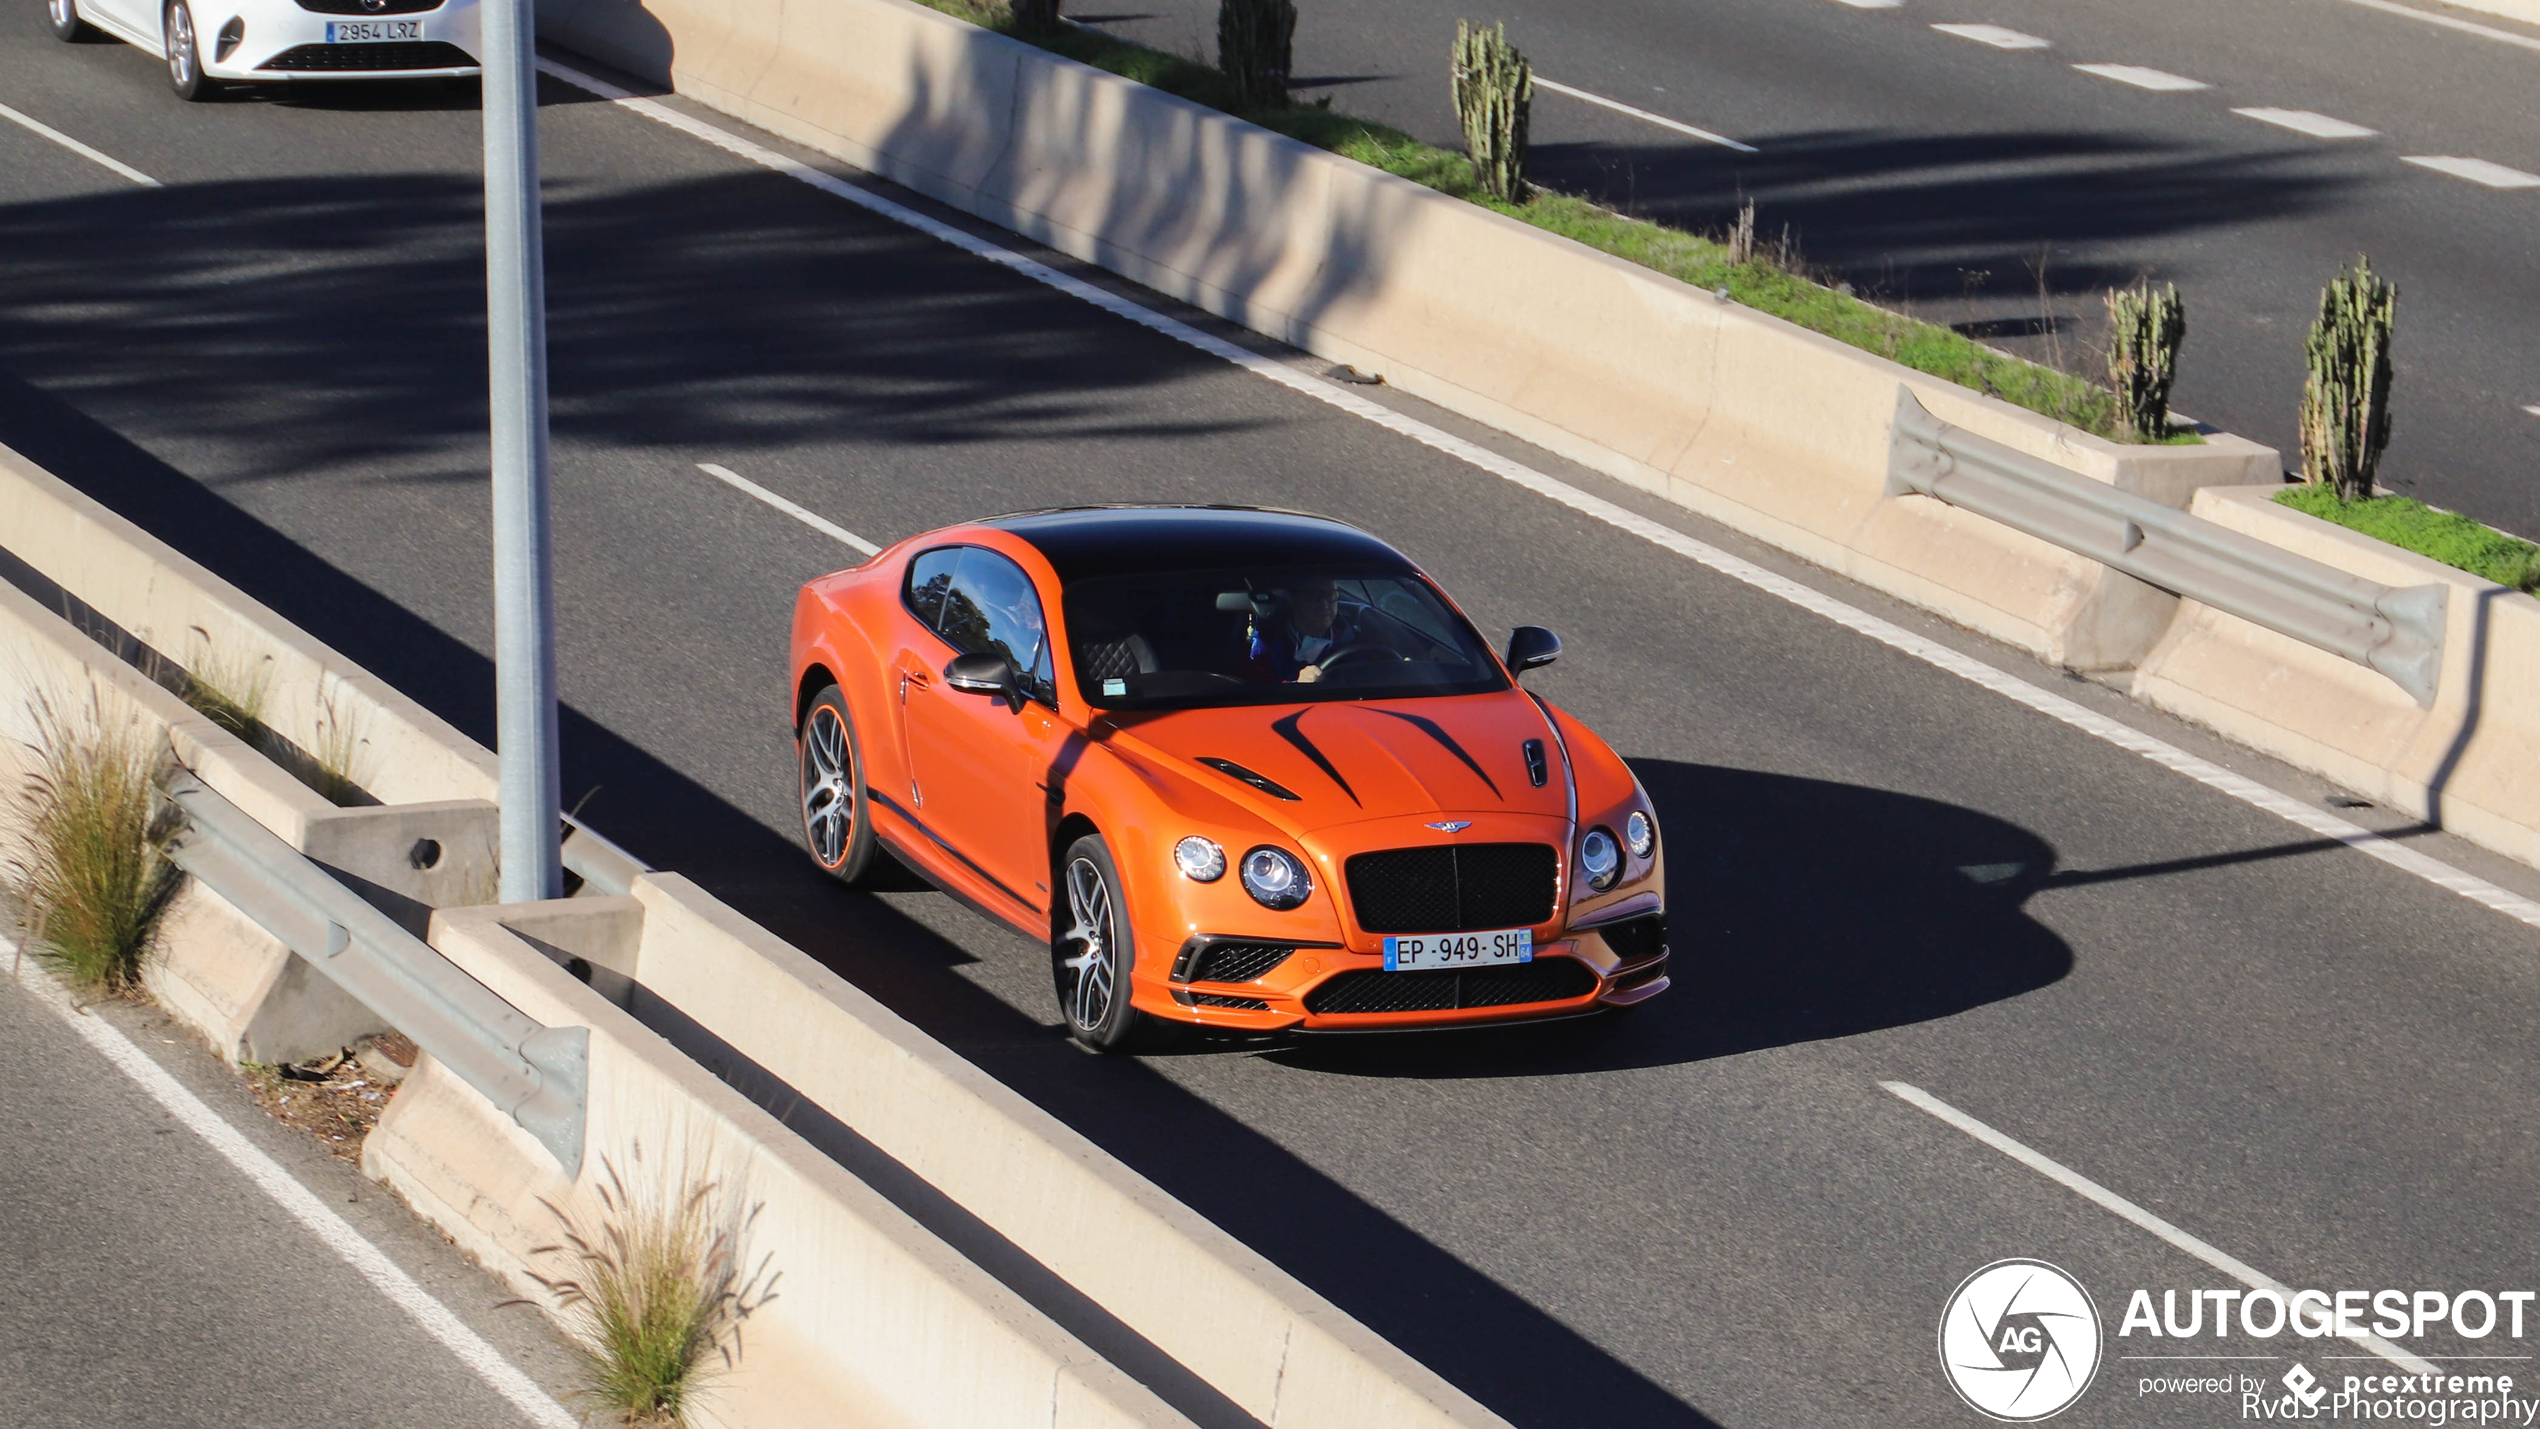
x,y
367,59
1449,888
1237,962
357,7
1372,990
1636,938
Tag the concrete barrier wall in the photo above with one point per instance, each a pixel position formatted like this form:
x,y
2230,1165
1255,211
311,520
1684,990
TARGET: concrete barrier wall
x,y
2471,762
1276,1349
405,754
875,1321
1756,423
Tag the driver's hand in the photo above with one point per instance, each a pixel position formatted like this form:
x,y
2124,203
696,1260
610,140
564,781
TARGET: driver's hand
x,y
1309,674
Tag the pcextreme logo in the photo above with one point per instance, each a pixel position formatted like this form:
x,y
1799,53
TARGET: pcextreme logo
x,y
2019,1341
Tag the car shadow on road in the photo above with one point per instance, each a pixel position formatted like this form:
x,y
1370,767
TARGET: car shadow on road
x,y
1797,910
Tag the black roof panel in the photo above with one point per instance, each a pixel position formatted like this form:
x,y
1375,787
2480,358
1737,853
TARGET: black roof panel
x,y
1087,541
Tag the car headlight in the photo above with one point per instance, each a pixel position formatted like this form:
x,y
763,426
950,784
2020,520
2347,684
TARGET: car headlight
x,y
1200,860
1276,878
1640,834
1600,858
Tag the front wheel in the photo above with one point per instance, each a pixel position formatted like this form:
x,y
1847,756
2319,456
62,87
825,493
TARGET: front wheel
x,y
1092,953
185,56
837,826
63,17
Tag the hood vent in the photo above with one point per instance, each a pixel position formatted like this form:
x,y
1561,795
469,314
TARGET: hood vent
x,y
1266,785
1534,762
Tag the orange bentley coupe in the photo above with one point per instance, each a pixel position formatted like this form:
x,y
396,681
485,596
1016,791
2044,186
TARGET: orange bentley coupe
x,y
1244,769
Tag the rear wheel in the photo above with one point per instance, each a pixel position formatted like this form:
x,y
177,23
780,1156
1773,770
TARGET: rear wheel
x,y
63,16
837,827
1092,954
185,55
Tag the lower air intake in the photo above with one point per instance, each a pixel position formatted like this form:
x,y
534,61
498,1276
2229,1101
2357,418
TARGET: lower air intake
x,y
383,57
1448,989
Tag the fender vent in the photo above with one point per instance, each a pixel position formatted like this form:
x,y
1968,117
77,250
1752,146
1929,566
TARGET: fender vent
x,y
1235,771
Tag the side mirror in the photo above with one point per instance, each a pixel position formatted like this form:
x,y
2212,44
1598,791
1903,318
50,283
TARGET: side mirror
x,y
1531,647
980,673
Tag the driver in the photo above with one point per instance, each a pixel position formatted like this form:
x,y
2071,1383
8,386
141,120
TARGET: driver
x,y
1312,630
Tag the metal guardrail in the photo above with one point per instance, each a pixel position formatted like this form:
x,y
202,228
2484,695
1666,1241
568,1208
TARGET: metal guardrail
x,y
539,1075
2395,630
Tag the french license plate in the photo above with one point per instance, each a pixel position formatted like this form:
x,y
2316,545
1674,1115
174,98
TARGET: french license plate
x,y
1459,950
365,32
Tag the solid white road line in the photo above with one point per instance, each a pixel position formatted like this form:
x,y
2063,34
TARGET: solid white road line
x,y
823,525
2091,1190
302,1205
2303,121
76,147
1661,120
2142,78
2467,27
1996,36
1808,598
2477,171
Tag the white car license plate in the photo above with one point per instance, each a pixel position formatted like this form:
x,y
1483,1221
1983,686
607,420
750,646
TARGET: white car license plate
x,y
1459,950
365,32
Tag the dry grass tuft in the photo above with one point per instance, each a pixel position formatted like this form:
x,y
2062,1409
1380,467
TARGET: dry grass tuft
x,y
90,871
654,1290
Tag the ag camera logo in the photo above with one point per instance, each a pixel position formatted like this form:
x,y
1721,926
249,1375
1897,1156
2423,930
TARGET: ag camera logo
x,y
2019,1341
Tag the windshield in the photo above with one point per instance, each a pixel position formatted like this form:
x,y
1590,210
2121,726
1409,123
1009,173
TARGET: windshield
x,y
1194,638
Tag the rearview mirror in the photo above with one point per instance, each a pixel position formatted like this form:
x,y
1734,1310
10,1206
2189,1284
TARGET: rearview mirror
x,y
980,673
1531,647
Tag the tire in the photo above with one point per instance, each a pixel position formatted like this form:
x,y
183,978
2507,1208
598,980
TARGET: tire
x,y
1092,952
185,55
63,16
837,822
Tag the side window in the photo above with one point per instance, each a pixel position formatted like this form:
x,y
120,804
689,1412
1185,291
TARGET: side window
x,y
992,607
929,576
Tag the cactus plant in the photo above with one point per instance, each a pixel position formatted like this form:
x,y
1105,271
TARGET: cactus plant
x,y
1253,49
1494,89
2146,326
2345,417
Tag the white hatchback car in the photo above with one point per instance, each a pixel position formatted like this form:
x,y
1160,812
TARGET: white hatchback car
x,y
270,41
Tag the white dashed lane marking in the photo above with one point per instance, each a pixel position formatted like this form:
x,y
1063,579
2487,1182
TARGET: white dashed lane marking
x,y
2477,171
1996,36
2142,78
1661,120
813,519
109,161
1874,4
2303,121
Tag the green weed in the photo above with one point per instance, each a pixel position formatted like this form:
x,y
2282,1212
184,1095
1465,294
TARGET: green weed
x,y
90,871
2411,525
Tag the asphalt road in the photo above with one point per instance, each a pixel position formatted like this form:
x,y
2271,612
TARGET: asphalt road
x,y
144,1280
2003,191
1708,1213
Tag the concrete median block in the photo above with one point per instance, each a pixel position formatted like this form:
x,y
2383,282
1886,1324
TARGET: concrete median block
x,y
2470,762
877,1321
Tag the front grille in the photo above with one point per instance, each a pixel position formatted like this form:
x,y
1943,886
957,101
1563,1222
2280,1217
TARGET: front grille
x,y
1451,888
1636,938
367,59
361,7
1235,962
1219,999
1373,990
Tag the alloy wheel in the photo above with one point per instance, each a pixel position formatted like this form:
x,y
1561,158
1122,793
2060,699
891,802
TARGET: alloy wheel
x,y
828,787
1090,933
180,45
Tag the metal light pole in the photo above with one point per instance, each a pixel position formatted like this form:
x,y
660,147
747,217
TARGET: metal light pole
x,y
516,332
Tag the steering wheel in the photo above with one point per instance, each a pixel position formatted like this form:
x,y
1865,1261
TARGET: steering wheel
x,y
1364,648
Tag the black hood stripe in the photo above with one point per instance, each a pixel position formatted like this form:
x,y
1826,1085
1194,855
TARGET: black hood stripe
x,y
1288,731
1433,730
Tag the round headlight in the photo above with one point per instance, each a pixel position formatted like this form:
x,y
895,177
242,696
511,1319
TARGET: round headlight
x,y
1200,860
1600,858
1639,834
1276,878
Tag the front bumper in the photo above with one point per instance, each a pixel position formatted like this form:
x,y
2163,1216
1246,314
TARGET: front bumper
x,y
282,43
1329,989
